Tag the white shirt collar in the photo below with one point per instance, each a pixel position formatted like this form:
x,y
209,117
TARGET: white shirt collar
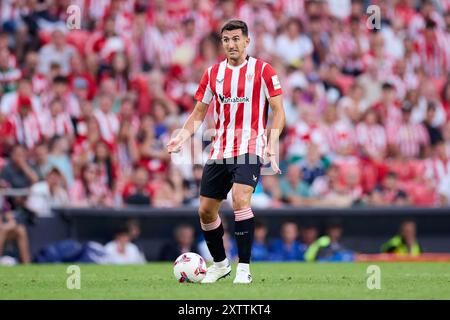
x,y
239,66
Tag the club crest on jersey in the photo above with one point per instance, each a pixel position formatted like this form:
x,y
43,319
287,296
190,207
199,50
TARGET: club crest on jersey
x,y
224,100
250,77
219,80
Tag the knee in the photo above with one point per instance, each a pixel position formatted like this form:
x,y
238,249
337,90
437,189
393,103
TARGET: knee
x,y
206,214
21,231
240,201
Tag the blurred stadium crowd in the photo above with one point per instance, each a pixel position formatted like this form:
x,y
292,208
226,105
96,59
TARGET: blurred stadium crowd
x,y
85,114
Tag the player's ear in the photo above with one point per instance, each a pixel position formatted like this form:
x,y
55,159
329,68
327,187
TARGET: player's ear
x,y
247,41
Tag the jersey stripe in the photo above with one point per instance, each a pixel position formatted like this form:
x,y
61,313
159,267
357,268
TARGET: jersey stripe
x,y
231,131
240,111
226,109
247,116
219,123
255,107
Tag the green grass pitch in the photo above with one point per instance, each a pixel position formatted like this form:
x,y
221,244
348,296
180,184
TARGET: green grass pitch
x,y
271,281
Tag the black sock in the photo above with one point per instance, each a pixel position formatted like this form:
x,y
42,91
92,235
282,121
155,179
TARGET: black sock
x,y
214,241
244,231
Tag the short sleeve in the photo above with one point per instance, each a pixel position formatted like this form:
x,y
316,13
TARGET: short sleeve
x,y
204,92
271,81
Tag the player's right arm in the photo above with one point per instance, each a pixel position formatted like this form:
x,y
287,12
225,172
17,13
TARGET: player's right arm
x,y
204,95
191,125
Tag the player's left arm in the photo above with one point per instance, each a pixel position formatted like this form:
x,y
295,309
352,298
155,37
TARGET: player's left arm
x,y
278,122
273,92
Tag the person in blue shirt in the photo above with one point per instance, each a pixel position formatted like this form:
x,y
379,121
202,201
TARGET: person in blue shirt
x,y
288,248
312,166
308,233
260,250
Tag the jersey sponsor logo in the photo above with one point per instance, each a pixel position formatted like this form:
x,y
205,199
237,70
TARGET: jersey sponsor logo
x,y
276,82
224,100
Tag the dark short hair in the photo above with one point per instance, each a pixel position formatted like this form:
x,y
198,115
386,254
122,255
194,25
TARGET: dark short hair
x,y
60,79
430,24
235,25
391,174
121,230
333,223
387,86
260,224
54,170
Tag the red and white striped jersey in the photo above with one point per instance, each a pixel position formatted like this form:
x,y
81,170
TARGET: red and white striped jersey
x,y
291,8
435,54
372,138
338,135
160,46
10,103
408,138
71,103
241,96
26,130
109,125
437,169
55,125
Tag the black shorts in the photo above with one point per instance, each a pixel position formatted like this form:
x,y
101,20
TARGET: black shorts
x,y
219,175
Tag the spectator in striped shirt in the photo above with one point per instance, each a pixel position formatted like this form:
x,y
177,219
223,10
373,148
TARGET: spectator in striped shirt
x,y
88,190
371,137
25,124
408,139
54,121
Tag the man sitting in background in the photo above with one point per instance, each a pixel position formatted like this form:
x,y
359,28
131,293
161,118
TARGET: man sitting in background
x,y
260,250
18,173
405,243
390,192
122,251
328,247
47,194
294,190
138,191
288,248
184,242
308,234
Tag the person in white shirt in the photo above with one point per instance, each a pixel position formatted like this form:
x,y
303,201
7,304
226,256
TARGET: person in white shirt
x,y
57,51
292,46
48,193
122,251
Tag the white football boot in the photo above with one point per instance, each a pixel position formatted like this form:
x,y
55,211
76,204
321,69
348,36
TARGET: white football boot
x,y
243,274
217,271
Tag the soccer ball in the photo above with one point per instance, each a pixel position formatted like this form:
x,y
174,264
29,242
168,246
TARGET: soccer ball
x,y
189,267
